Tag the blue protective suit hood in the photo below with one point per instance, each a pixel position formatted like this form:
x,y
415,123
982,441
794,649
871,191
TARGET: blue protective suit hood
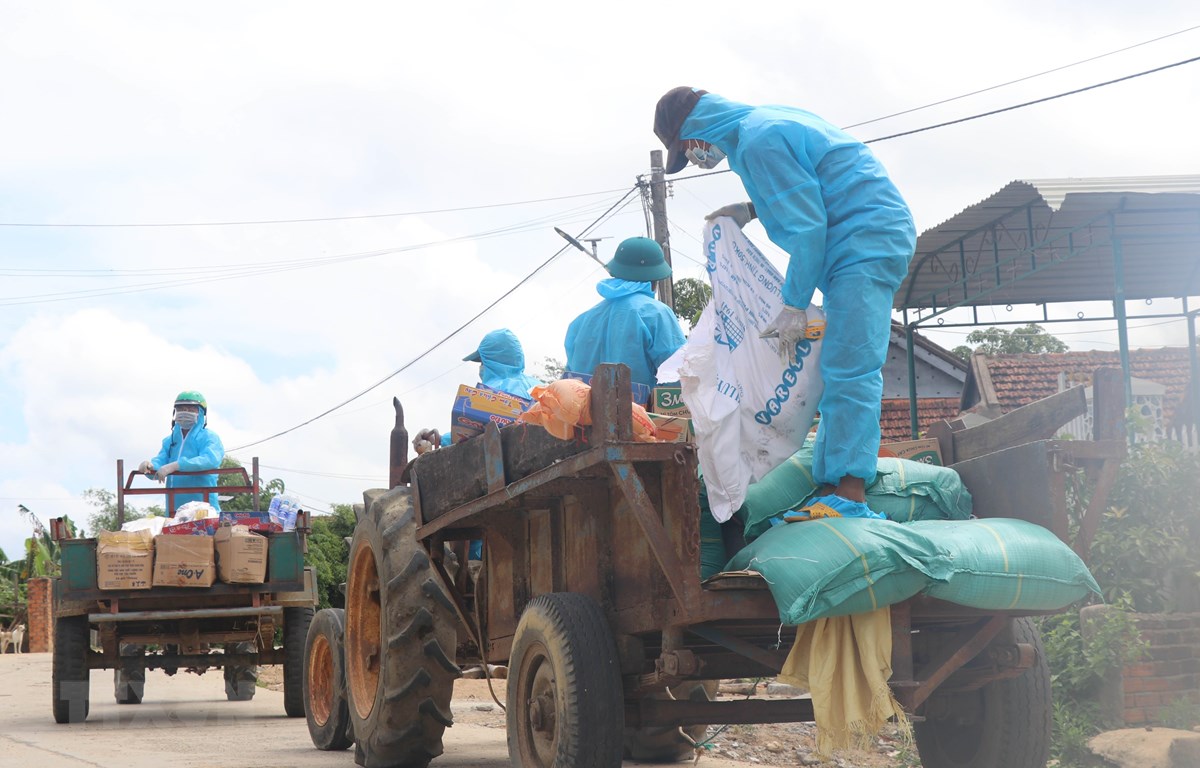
x,y
615,288
629,326
503,363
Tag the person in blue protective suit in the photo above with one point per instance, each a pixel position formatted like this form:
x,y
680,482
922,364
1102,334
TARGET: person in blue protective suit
x,y
502,363
825,199
629,326
191,447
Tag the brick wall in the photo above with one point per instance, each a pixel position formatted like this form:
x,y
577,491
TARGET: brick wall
x,y
1170,672
41,615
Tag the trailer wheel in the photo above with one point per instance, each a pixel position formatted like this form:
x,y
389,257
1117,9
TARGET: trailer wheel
x,y
295,634
70,677
565,703
1004,724
241,680
401,631
325,706
668,744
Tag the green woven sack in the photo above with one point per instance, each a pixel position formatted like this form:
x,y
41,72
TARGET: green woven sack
x,y
782,488
905,491
902,490
839,566
1004,564
712,543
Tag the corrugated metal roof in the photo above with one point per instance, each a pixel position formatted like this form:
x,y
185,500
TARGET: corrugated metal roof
x,y
1051,240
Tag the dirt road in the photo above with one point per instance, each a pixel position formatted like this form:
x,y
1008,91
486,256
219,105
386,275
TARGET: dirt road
x,y
185,722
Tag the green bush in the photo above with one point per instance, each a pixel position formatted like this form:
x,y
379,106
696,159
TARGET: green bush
x,y
328,554
1146,538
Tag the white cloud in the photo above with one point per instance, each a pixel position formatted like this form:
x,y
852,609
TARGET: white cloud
x,y
145,112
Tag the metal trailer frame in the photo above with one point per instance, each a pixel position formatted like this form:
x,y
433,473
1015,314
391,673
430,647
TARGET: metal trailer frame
x,y
1013,223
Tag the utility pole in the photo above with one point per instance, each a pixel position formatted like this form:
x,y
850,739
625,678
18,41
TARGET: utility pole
x,y
658,210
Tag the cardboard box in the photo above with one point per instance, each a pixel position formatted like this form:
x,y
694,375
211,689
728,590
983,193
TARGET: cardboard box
x,y
672,429
124,559
474,407
668,401
184,561
925,451
241,555
639,392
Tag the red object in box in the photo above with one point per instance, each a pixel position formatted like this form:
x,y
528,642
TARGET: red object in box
x,y
255,521
204,527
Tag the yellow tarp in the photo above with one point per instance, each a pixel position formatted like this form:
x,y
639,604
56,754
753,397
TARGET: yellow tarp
x,y
845,662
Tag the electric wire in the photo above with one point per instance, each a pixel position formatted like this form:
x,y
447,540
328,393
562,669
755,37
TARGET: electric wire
x,y
1035,101
447,337
256,222
1018,80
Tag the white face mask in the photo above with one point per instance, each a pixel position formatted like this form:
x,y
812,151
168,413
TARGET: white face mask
x,y
186,419
705,158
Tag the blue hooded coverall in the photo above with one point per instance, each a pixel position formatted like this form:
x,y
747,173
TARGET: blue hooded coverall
x,y
629,326
827,201
198,449
502,363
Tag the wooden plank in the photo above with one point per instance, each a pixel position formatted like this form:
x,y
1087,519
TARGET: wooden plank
x,y
661,545
1011,483
1039,420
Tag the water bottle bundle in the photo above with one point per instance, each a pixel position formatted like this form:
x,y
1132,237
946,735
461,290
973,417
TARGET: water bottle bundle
x,y
283,510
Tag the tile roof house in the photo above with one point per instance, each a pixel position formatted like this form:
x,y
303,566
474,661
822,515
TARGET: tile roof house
x,y
940,378
997,384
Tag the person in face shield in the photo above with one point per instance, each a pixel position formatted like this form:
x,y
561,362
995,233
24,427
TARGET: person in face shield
x,y
629,326
190,447
825,199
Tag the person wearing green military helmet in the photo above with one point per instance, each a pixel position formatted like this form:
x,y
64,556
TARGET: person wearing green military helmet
x,y
629,326
191,447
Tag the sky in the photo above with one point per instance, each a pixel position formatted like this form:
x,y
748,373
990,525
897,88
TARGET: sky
x,y
288,202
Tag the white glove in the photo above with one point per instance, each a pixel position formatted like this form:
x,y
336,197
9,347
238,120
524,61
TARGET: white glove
x,y
167,469
789,326
426,440
741,213
146,467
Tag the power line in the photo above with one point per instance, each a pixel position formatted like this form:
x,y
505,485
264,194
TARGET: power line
x,y
448,336
1018,80
1035,101
306,220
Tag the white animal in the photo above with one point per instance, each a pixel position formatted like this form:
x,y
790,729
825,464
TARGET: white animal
x,y
14,636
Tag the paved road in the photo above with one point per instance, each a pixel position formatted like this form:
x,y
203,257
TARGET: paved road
x,y
185,722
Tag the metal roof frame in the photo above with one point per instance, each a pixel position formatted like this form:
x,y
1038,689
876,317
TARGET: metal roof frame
x,y
1057,241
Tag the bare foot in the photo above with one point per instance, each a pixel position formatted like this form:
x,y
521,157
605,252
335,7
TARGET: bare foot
x,y
852,488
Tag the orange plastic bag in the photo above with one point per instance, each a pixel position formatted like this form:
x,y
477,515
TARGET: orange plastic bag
x,y
562,405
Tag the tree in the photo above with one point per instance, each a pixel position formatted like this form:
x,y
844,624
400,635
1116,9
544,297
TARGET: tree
x,y
691,296
329,555
105,517
552,369
1031,338
244,502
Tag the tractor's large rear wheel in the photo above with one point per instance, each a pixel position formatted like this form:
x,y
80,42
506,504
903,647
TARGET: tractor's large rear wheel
x,y
1004,724
400,639
565,703
325,706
